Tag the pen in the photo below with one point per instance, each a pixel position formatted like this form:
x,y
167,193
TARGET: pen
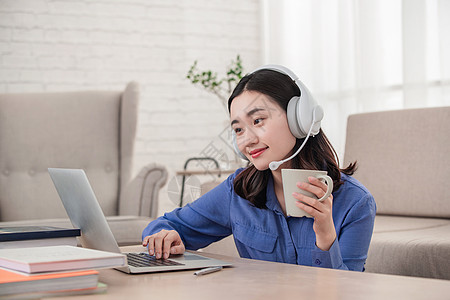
x,y
208,270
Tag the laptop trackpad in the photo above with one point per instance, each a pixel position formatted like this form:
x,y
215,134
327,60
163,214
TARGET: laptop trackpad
x,y
188,256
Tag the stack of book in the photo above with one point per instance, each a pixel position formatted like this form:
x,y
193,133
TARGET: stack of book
x,y
33,236
53,270
15,285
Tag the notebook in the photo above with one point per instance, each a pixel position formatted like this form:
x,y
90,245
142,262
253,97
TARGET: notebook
x,y
85,213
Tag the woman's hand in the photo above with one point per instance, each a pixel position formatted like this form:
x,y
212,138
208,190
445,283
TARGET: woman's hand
x,y
321,211
164,243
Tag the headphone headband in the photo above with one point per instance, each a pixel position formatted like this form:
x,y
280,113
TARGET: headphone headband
x,y
280,69
304,92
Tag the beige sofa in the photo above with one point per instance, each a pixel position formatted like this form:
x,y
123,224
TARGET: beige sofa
x,y
404,161
91,130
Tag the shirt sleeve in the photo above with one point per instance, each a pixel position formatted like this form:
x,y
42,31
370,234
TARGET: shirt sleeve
x,y
201,222
349,250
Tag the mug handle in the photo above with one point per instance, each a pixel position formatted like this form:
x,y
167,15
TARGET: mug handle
x,y
329,182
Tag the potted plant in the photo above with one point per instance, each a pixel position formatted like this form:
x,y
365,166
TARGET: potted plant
x,y
221,87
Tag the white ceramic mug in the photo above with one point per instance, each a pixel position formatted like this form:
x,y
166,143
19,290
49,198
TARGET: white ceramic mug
x,y
290,178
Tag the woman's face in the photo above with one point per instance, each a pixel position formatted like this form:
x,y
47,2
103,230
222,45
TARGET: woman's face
x,y
261,127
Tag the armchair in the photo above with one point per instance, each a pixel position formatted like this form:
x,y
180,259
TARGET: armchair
x,y
90,130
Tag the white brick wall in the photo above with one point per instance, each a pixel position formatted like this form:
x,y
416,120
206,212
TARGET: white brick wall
x,y
56,45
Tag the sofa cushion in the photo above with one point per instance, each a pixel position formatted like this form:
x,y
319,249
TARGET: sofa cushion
x,y
410,246
403,159
397,223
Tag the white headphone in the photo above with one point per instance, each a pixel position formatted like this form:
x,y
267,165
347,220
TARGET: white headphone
x,y
304,115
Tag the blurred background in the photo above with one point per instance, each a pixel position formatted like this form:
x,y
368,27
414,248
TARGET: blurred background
x,y
355,56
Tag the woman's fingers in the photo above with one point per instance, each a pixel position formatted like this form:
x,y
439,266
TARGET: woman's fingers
x,y
177,249
159,238
160,244
307,208
309,204
172,244
315,186
149,243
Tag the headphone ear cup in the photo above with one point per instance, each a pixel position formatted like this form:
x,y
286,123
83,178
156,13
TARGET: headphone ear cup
x,y
301,113
235,146
293,121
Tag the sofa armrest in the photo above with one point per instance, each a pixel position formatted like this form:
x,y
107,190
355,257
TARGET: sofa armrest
x,y
140,196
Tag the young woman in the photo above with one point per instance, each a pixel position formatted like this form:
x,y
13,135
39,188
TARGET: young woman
x,y
250,203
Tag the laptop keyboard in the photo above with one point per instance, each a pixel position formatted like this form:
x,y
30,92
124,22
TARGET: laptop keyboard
x,y
145,260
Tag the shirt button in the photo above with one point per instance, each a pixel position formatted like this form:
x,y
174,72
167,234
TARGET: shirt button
x,y
318,262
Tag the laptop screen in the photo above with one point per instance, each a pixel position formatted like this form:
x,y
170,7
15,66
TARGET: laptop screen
x,y
83,209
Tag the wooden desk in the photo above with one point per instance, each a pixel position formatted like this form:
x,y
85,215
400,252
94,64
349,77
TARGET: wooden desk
x,y
252,279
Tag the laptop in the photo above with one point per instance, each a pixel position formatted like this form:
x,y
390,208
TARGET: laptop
x,y
85,213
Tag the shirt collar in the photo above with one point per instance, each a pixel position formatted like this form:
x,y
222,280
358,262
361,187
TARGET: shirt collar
x,y
272,201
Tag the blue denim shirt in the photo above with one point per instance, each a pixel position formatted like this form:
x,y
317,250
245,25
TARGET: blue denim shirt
x,y
267,234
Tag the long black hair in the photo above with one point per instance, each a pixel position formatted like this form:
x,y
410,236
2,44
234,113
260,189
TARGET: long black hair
x,y
317,154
